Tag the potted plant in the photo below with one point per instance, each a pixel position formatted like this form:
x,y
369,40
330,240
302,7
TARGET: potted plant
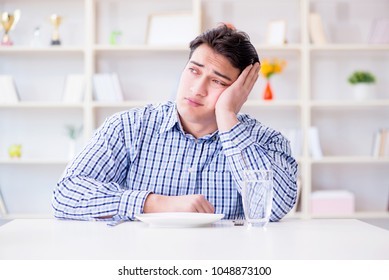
x,y
363,83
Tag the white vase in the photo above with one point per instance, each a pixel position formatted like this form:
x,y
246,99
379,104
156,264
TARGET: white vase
x,y
364,91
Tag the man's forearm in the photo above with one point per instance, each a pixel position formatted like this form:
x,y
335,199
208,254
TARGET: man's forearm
x,y
226,121
85,199
186,203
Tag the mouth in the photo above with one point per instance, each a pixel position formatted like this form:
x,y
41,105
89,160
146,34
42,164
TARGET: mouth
x,y
193,102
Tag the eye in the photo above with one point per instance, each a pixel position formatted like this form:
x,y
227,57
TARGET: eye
x,y
193,70
219,83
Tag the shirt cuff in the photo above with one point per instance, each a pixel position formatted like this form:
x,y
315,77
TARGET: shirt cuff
x,y
236,140
131,203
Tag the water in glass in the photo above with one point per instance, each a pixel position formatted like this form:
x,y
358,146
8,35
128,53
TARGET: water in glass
x,y
257,196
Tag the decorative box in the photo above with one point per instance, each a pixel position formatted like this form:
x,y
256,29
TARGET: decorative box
x,y
332,202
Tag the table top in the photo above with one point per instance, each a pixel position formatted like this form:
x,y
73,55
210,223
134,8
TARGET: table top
x,y
289,239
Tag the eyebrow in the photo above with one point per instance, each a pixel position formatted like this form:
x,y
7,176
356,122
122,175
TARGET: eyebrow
x,y
216,72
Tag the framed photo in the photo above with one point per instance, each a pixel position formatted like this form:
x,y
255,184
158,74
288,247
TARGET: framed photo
x,y
171,29
276,33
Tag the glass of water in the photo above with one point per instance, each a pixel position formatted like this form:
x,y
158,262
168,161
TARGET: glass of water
x,y
257,196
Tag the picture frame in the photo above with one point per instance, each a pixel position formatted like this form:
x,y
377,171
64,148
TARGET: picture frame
x,y
167,29
276,32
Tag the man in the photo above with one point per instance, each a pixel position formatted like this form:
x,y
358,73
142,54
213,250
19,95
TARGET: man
x,y
186,156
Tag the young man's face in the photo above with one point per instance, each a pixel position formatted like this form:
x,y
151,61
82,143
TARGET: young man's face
x,y
203,80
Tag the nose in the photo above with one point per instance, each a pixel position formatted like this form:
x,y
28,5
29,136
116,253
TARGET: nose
x,y
199,88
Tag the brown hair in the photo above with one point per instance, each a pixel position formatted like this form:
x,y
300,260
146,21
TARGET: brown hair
x,y
233,44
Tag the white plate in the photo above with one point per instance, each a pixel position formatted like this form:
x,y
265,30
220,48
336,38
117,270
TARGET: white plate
x,y
179,219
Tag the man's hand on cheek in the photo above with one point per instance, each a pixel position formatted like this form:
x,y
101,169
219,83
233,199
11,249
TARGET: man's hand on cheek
x,y
232,99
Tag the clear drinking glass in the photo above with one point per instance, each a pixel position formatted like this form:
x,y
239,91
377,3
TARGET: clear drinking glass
x,y
257,196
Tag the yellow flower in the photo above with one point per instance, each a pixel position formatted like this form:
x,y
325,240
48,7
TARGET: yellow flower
x,y
271,67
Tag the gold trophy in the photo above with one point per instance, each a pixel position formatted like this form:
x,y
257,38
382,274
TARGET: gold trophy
x,y
8,21
56,21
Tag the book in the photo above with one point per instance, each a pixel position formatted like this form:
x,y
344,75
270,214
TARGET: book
x,y
383,140
107,87
376,144
8,91
3,210
381,143
314,143
380,32
74,89
316,29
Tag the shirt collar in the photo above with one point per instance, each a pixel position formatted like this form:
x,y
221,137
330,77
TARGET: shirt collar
x,y
171,118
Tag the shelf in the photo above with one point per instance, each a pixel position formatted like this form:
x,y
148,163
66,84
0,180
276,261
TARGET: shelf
x,y
123,104
351,160
31,50
349,47
139,48
356,215
42,105
273,103
286,47
23,161
348,104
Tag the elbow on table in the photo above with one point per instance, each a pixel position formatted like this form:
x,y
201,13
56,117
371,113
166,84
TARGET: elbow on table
x,y
283,203
63,205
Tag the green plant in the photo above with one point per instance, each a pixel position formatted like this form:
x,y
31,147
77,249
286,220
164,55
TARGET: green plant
x,y
73,131
361,77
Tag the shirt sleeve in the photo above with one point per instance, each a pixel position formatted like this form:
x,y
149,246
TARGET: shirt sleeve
x,y
250,145
94,184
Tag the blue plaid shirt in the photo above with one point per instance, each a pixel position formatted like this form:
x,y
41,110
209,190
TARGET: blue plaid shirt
x,y
145,150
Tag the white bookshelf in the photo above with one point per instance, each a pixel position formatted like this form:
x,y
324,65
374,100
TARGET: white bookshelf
x,y
312,91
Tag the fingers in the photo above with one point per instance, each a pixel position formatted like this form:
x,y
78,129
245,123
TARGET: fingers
x,y
248,77
203,206
185,203
252,76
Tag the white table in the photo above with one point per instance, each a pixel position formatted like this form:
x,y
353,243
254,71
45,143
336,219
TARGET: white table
x,y
289,239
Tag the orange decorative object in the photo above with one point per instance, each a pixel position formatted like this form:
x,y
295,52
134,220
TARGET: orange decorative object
x,y
268,93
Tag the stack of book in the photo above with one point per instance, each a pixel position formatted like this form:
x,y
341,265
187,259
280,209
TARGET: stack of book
x,y
107,87
380,143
